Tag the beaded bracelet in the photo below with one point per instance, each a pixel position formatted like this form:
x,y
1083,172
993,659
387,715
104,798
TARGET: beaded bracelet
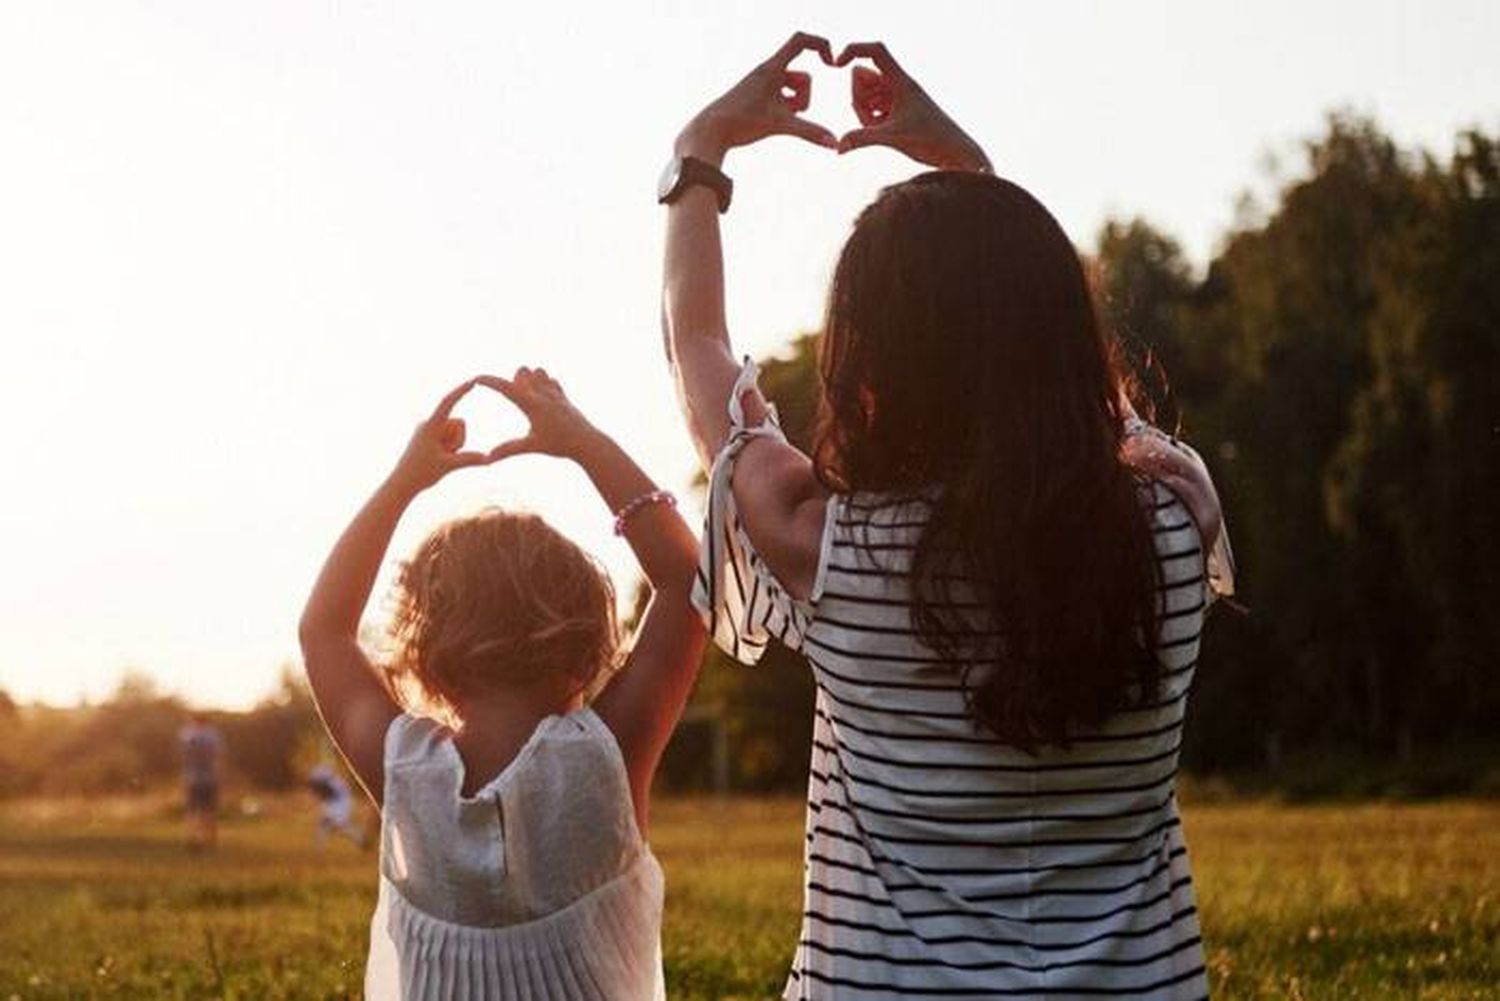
x,y
632,506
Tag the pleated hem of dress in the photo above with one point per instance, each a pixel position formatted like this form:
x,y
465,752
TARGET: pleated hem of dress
x,y
606,946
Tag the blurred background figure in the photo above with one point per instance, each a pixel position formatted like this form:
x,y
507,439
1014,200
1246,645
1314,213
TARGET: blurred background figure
x,y
337,804
200,778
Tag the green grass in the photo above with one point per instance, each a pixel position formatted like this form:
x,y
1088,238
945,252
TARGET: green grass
x,y
100,900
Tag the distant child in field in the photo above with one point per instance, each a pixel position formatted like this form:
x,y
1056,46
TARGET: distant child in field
x,y
513,857
336,804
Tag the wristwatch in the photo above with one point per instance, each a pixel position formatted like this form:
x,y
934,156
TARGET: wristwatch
x,y
685,171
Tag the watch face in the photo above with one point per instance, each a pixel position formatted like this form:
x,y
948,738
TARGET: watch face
x,y
669,178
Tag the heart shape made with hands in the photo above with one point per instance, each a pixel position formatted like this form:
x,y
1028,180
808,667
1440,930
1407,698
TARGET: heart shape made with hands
x,y
475,419
552,425
873,88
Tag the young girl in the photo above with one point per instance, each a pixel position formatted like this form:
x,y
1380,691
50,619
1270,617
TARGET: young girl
x,y
513,858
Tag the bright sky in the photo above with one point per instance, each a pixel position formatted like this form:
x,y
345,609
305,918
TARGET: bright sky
x,y
244,246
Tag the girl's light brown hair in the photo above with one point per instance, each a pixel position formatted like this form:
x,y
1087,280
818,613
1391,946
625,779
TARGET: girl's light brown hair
x,y
496,599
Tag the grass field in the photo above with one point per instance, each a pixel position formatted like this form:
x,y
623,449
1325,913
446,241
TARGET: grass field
x,y
101,900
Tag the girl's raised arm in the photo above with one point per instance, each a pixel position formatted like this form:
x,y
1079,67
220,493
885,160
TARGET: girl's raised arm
x,y
354,703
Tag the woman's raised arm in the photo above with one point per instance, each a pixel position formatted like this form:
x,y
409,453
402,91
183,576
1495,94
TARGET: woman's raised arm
x,y
766,102
779,497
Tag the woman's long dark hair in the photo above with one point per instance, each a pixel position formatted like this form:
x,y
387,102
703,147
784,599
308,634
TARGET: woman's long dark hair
x,y
962,350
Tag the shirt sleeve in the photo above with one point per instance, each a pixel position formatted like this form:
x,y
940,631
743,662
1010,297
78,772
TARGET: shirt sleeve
x,y
1180,467
743,604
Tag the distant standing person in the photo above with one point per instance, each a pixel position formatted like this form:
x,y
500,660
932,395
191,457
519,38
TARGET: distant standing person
x,y
200,779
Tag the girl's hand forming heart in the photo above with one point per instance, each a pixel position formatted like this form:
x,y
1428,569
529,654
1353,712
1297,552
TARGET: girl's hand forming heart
x,y
436,447
557,427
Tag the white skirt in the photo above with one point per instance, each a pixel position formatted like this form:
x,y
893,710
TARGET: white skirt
x,y
605,946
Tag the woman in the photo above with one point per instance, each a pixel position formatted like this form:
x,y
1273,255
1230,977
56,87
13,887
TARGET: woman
x,y
996,571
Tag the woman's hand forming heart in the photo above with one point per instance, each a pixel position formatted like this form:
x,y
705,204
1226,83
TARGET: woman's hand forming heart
x,y
557,427
436,447
767,102
896,112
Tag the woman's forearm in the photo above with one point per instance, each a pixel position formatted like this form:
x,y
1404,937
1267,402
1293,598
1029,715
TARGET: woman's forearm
x,y
703,363
343,587
693,283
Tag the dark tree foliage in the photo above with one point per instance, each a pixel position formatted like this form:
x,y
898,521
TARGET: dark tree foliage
x,y
1339,366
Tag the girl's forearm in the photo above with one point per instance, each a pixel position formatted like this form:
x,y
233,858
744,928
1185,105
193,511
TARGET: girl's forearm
x,y
343,587
657,534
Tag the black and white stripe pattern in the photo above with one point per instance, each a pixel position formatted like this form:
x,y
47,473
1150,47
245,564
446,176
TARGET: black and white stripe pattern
x,y
940,863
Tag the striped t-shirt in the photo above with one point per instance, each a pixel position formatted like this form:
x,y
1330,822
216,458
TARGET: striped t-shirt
x,y
940,863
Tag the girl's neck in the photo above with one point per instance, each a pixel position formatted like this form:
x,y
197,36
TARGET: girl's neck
x,y
497,725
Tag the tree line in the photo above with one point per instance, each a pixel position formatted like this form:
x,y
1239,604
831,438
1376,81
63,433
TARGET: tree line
x,y
129,742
